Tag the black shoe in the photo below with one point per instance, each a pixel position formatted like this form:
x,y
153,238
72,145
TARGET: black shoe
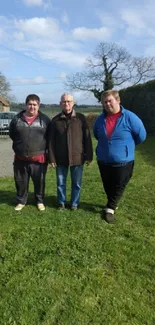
x,y
61,207
109,217
74,208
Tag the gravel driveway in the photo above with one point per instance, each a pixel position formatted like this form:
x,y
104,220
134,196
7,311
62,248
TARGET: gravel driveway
x,y
6,157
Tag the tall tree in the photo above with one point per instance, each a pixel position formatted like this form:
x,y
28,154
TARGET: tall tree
x,y
5,88
109,66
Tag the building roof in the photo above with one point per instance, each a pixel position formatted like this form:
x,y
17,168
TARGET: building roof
x,y
4,102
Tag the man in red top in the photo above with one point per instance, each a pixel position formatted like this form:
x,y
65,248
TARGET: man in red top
x,y
28,131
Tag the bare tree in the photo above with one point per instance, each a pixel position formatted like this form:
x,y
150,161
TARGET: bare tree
x,y
4,87
110,66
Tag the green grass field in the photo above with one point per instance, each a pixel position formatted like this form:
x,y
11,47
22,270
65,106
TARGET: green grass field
x,y
72,268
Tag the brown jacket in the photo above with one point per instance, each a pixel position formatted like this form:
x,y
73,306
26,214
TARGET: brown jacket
x,y
69,140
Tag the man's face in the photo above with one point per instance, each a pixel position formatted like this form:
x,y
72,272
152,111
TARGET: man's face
x,y
67,103
32,108
111,104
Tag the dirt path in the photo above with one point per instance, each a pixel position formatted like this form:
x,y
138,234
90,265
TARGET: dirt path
x,y
6,157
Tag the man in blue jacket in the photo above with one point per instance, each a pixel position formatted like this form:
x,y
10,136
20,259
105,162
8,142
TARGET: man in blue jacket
x,y
117,131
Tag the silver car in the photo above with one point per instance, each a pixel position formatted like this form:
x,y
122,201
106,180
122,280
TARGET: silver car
x,y
5,119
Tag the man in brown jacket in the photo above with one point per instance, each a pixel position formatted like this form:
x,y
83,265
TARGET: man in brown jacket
x,y
70,146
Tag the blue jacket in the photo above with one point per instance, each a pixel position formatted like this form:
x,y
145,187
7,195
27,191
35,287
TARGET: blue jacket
x,y
120,148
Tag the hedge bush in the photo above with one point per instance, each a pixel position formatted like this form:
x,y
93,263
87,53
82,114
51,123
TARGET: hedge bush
x,y
140,99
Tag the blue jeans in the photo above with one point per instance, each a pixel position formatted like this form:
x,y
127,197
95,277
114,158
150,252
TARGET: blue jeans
x,y
76,180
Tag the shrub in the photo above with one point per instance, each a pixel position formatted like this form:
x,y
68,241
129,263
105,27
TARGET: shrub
x,y
91,117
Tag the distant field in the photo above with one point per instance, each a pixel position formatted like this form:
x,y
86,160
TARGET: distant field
x,y
52,113
52,110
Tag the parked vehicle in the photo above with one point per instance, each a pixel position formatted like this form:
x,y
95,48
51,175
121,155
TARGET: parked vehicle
x,y
5,119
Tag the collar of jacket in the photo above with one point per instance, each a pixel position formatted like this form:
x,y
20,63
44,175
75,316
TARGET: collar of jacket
x,y
20,114
72,115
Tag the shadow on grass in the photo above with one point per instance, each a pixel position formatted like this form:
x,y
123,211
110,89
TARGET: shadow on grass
x,y
9,198
147,149
93,208
51,201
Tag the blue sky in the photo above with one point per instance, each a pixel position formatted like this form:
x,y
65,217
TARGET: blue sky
x,y
43,41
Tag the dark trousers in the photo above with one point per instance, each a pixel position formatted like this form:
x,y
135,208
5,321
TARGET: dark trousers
x,y
23,170
115,179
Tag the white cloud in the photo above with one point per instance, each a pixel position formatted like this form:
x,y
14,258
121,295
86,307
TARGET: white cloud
x,y
5,26
39,80
66,57
62,75
140,20
107,19
33,2
1,34
42,39
19,36
48,5
65,18
129,20
4,61
41,27
83,33
30,81
134,21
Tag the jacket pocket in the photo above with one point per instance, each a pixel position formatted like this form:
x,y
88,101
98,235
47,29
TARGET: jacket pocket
x,y
118,153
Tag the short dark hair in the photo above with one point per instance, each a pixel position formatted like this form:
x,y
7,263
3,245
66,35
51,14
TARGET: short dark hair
x,y
32,97
106,93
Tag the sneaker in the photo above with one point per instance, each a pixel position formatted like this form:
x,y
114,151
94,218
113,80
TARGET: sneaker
x,y
61,207
19,207
41,207
109,217
74,208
